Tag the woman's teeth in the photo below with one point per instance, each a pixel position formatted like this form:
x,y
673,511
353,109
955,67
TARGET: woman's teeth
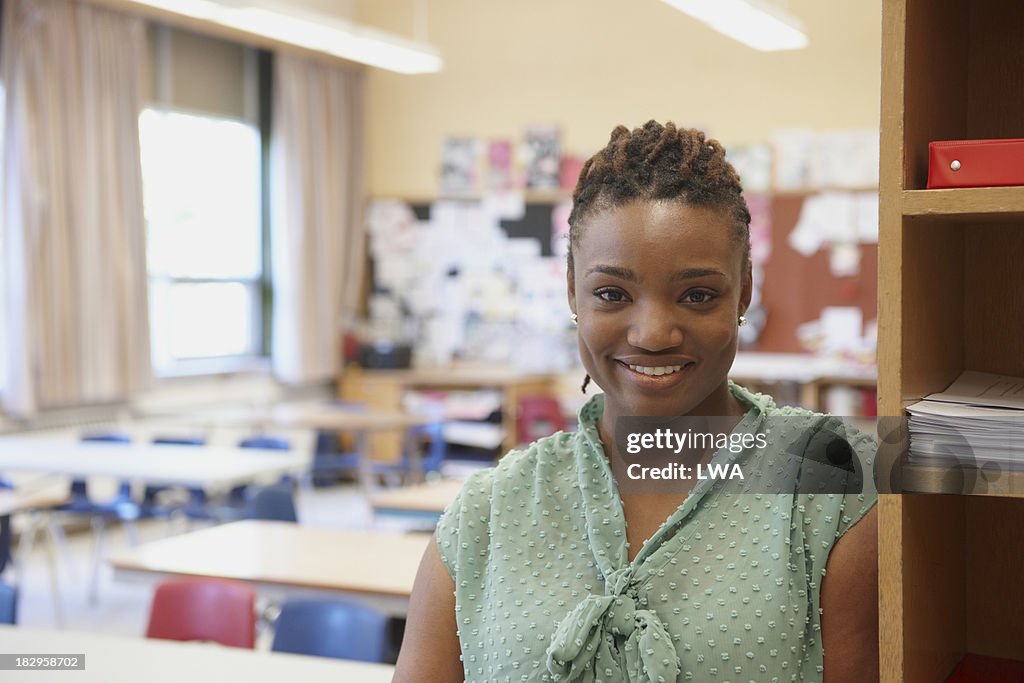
x,y
659,370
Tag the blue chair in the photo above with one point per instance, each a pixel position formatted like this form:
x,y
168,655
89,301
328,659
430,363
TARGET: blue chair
x,y
238,496
122,507
197,506
431,435
8,603
274,503
336,627
5,531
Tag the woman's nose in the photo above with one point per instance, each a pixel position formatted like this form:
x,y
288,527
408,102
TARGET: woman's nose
x,y
654,331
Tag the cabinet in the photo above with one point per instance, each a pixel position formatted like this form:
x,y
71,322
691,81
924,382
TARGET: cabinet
x,y
951,297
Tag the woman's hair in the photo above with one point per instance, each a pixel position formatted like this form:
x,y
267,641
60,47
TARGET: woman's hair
x,y
659,162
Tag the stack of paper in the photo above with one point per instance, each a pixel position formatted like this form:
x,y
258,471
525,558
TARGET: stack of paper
x,y
978,420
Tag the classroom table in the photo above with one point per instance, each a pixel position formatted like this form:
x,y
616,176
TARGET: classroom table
x,y
36,497
132,659
814,374
282,559
311,415
423,501
358,421
156,464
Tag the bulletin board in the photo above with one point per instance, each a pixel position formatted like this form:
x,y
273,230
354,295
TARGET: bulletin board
x,y
797,287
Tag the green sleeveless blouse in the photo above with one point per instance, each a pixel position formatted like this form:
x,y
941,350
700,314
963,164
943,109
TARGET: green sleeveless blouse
x,y
728,589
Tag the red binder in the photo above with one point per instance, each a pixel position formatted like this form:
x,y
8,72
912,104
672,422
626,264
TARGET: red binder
x,y
975,163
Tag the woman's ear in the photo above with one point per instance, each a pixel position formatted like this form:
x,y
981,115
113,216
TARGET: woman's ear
x,y
748,287
570,282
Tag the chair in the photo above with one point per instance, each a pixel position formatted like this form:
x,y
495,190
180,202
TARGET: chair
x,y
539,416
235,507
337,628
213,610
122,507
8,603
275,503
196,507
5,530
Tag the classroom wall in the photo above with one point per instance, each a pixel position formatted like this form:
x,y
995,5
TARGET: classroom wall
x,y
590,64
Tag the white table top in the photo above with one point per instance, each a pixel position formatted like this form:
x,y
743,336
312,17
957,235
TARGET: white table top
x,y
430,498
309,415
198,466
797,367
126,659
281,559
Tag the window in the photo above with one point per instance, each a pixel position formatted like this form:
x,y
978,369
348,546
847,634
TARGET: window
x,y
202,195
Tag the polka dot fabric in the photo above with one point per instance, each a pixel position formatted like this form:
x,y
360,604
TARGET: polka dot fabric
x,y
726,590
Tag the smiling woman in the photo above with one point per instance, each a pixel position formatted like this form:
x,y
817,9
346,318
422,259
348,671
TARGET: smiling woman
x,y
547,567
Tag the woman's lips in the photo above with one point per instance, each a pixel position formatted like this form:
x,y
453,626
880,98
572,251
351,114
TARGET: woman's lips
x,y
656,376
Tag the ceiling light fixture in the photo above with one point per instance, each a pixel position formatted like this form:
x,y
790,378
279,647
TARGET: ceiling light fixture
x,y
757,24
312,31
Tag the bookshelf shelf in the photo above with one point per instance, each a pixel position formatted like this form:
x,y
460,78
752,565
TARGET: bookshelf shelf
x,y
950,287
1000,204
927,479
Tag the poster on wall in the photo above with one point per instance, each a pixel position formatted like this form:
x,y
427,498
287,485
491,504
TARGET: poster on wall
x,y
459,164
542,157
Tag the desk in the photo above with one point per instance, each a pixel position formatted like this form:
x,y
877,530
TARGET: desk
x,y
360,422
306,416
813,374
191,466
426,501
382,389
126,659
33,496
282,559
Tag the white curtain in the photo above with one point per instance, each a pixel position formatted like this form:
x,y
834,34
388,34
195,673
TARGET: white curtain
x,y
317,236
74,264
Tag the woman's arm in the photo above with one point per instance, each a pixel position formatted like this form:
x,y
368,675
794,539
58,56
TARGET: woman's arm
x,y
430,649
849,601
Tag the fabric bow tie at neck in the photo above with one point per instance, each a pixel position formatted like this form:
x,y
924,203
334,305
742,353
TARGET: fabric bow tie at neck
x,y
584,648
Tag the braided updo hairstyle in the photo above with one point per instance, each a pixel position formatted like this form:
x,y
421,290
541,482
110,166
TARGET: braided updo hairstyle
x,y
659,162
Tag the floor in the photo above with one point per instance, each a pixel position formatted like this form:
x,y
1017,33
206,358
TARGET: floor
x,y
122,608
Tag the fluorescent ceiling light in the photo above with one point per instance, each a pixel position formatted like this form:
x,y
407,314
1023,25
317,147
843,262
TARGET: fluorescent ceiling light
x,y
758,24
311,31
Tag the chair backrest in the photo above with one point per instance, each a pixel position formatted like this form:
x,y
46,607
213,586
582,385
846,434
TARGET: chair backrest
x,y
212,610
180,440
8,603
107,437
539,416
275,503
271,443
335,627
431,434
79,487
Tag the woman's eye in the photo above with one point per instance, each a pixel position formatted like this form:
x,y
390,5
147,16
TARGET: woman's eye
x,y
698,297
611,295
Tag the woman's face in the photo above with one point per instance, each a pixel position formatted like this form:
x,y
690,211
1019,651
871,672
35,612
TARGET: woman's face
x,y
658,287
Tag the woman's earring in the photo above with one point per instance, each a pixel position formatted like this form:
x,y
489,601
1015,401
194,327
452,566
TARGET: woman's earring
x,y
743,320
586,381
575,319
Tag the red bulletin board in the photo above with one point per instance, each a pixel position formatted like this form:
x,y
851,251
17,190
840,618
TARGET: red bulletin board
x,y
796,288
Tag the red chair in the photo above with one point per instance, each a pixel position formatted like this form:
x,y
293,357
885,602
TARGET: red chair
x,y
218,611
539,416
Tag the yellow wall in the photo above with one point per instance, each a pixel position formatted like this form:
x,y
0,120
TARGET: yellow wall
x,y
590,64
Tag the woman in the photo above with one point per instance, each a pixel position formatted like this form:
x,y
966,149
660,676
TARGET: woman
x,y
546,569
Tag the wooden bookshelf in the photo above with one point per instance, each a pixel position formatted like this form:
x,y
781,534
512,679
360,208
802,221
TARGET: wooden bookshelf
x,y
951,286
